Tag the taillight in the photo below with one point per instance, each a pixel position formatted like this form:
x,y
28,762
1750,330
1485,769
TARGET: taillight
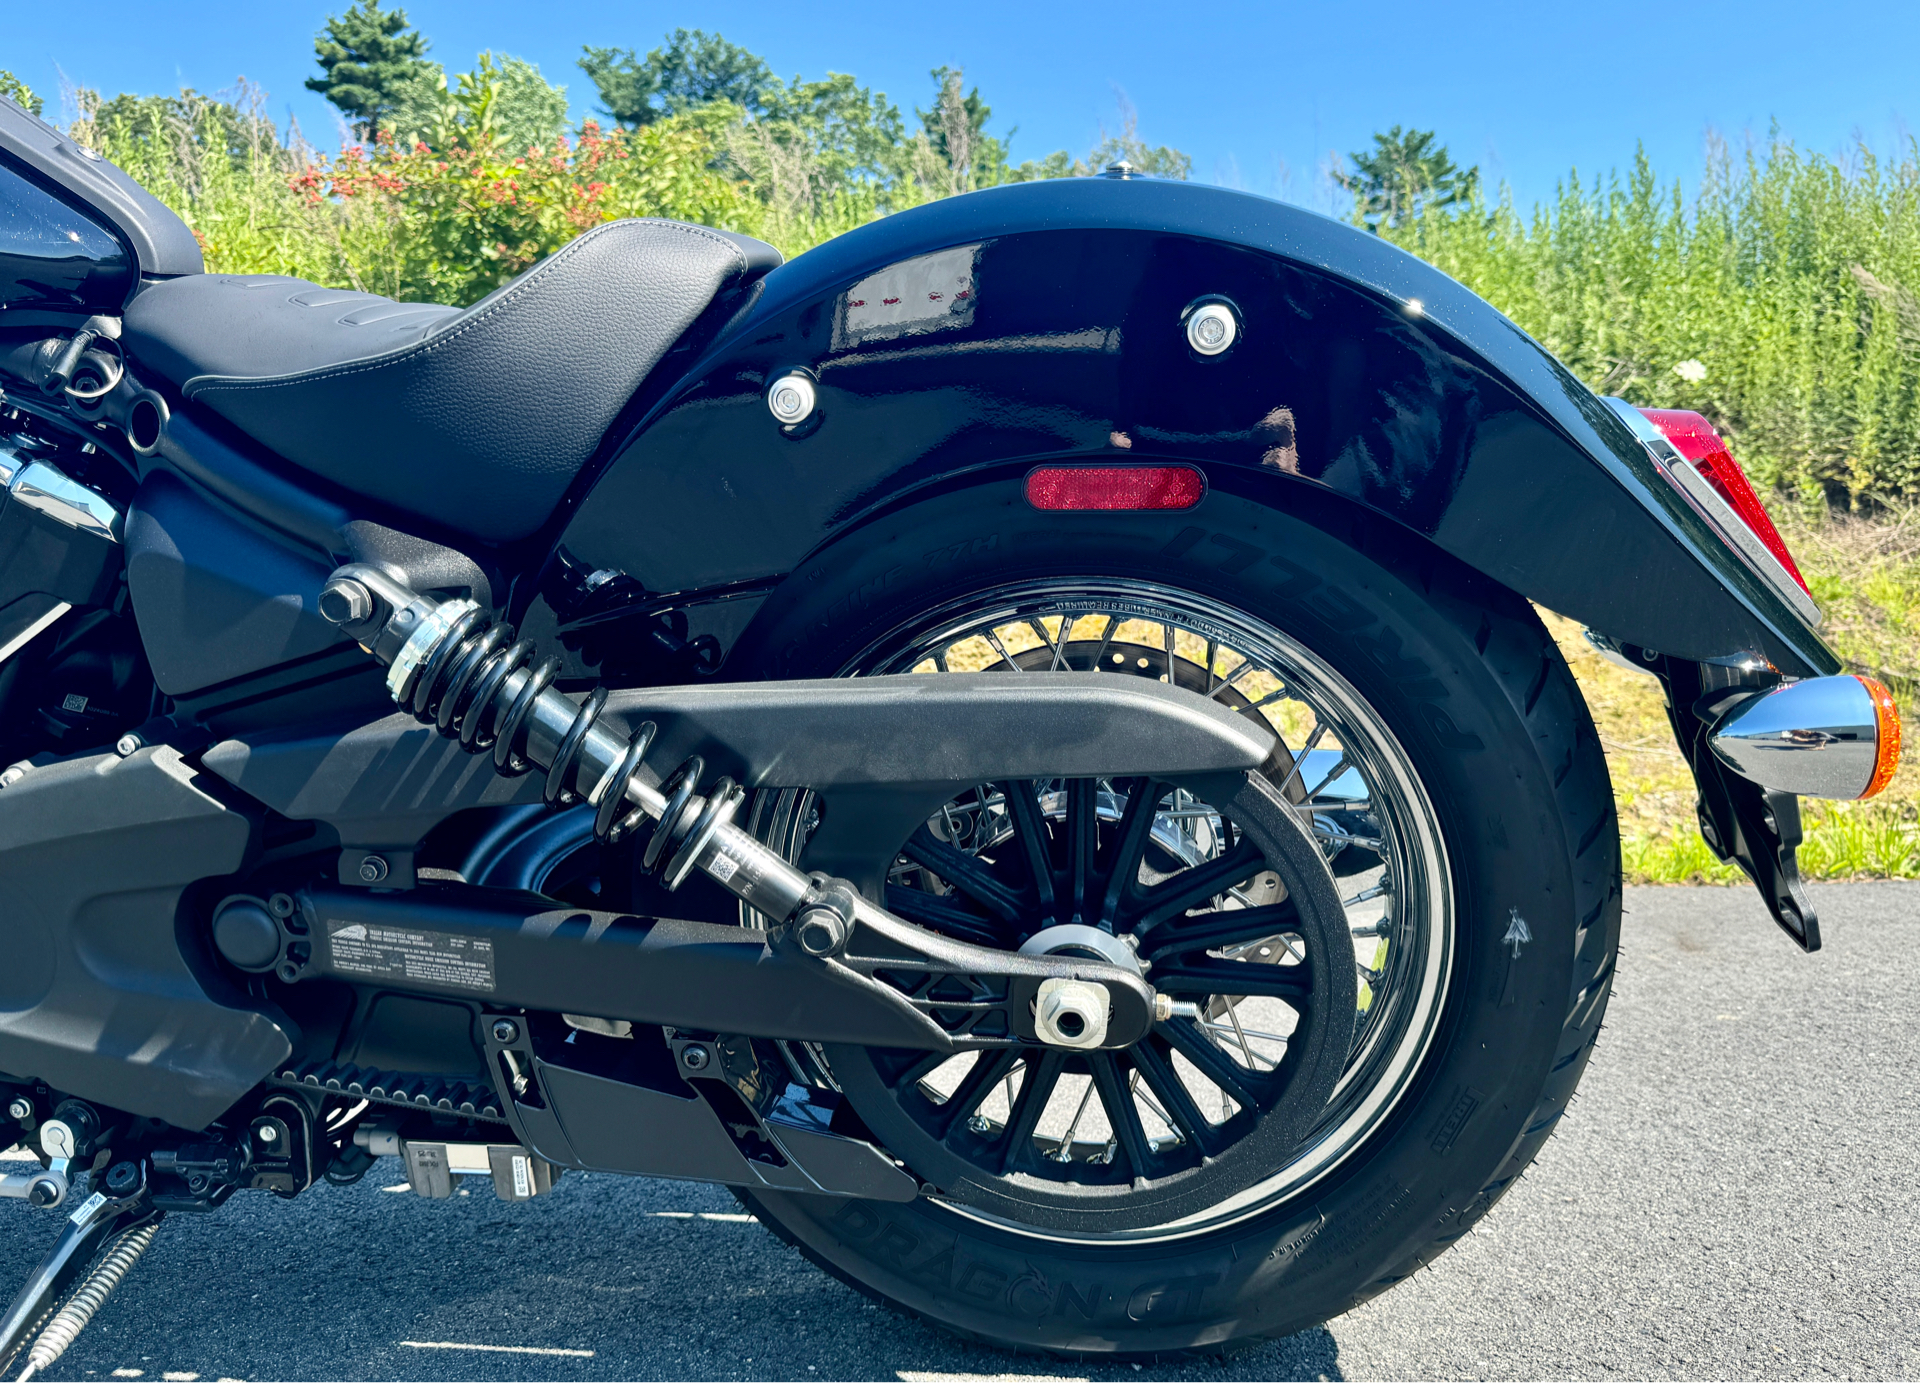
x,y
1694,438
1114,487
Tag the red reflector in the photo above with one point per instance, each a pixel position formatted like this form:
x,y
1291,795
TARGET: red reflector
x,y
1114,487
1694,438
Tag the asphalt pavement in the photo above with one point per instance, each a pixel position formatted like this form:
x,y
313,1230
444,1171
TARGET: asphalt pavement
x,y
1736,1193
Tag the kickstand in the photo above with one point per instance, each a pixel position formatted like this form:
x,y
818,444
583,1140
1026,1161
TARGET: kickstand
x,y
100,1219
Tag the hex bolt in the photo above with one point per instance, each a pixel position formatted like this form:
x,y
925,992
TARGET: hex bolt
x,y
821,932
505,1031
1211,328
791,399
20,1107
128,745
345,601
373,869
696,1057
267,1134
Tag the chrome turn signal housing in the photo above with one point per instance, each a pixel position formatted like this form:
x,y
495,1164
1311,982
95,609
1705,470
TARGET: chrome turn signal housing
x,y
1821,737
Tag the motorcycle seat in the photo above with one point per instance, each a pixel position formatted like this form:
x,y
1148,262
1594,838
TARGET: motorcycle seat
x,y
475,418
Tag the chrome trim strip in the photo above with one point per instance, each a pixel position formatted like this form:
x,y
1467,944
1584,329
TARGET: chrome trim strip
x,y
26,636
39,486
1715,509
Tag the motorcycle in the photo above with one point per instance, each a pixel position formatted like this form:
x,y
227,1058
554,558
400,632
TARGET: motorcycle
x,y
1016,741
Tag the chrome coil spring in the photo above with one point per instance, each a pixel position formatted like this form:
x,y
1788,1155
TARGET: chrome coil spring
x,y
81,1306
461,690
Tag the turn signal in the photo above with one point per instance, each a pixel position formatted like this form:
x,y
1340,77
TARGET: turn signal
x,y
1114,487
1822,737
1694,438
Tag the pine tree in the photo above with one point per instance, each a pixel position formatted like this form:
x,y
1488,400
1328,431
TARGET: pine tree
x,y
372,64
1403,173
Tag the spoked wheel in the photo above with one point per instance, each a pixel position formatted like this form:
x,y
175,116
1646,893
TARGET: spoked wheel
x,y
1305,920
1390,948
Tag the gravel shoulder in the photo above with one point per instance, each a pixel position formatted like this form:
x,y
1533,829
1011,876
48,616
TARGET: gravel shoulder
x,y
1735,1194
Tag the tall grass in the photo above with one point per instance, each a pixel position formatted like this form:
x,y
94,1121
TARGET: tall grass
x,y
1781,303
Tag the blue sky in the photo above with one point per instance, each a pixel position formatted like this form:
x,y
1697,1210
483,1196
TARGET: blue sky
x,y
1259,94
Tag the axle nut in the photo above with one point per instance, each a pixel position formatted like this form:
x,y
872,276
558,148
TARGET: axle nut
x,y
821,932
1071,1013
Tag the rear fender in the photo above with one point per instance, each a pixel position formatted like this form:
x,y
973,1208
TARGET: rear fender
x,y
1045,322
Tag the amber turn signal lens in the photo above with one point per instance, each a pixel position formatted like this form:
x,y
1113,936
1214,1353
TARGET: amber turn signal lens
x,y
1886,717
1114,487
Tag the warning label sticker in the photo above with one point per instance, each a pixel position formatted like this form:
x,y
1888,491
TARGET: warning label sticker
x,y
409,955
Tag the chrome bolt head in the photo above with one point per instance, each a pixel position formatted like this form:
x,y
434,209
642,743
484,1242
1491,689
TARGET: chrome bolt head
x,y
696,1057
345,601
128,745
791,399
1212,328
267,1134
821,932
505,1030
20,1107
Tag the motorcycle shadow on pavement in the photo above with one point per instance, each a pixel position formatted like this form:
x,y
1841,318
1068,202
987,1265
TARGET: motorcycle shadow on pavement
x,y
608,1277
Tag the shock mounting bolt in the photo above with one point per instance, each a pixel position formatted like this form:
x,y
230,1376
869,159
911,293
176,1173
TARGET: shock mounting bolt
x,y
820,931
345,601
505,1030
696,1057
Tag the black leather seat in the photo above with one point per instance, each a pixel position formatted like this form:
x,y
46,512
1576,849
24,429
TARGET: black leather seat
x,y
478,419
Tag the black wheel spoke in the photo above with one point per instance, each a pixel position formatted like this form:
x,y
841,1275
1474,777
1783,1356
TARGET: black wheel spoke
x,y
1129,848
1211,1062
974,1087
1036,846
1208,930
1043,1074
1291,983
1157,1072
1196,885
966,873
946,915
1117,1099
1082,839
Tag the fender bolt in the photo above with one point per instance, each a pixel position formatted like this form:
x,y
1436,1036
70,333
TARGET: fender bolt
x,y
20,1108
696,1057
505,1030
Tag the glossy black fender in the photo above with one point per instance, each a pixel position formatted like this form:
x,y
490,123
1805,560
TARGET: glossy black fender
x,y
1044,321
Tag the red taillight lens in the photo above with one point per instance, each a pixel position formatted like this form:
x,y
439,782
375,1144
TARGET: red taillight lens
x,y
1694,438
1114,487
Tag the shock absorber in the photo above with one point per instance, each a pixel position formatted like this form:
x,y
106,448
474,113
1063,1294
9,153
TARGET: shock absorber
x,y
453,666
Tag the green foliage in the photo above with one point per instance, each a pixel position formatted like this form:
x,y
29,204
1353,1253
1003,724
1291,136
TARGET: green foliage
x,y
20,93
1781,304
694,69
374,68
509,103
1403,175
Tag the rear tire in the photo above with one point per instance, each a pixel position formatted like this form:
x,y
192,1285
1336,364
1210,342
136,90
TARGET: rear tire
x,y
1486,711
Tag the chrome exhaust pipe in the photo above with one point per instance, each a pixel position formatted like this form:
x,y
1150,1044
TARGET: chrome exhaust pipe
x,y
1821,737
